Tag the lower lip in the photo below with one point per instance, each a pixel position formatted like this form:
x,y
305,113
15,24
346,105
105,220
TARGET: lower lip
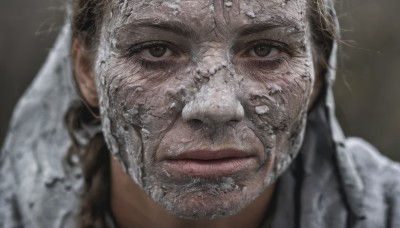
x,y
220,167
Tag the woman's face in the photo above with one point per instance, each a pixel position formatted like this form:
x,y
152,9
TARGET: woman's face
x,y
204,103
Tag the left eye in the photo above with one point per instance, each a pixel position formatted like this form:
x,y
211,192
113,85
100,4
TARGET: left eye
x,y
263,50
157,51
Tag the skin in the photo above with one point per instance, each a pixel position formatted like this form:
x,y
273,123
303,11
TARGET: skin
x,y
234,76
132,207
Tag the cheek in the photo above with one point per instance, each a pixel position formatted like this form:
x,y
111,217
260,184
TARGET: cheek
x,y
280,102
148,109
278,111
138,98
136,114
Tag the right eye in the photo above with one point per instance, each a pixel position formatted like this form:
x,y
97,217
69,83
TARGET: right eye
x,y
153,51
156,55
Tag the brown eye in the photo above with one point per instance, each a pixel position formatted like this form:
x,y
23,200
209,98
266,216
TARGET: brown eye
x,y
158,51
263,50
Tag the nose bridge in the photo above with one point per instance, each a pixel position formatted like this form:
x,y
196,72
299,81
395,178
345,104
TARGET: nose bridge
x,y
213,59
215,102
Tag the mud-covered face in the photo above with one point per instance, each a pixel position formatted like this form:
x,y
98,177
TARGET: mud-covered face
x,y
204,102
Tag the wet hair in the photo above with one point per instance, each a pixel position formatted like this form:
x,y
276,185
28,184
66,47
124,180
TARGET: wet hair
x,y
87,18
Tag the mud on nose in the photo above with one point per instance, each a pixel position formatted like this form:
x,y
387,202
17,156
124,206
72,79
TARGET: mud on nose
x,y
213,108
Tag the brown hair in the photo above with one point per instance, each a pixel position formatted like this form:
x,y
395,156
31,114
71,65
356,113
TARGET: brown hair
x,y
87,18
94,157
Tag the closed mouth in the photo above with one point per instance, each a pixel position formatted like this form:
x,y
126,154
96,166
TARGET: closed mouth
x,y
210,162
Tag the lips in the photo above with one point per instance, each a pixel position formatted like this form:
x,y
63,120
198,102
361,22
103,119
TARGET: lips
x,y
211,163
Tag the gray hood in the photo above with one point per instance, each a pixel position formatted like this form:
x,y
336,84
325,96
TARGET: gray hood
x,y
324,187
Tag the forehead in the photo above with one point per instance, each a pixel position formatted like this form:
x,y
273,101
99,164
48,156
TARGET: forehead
x,y
211,15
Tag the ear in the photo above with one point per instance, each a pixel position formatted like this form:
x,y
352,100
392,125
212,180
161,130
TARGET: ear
x,y
84,74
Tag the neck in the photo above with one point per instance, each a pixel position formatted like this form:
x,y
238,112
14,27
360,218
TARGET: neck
x,y
132,207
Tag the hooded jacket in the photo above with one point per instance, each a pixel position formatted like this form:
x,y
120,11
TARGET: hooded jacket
x,y
333,183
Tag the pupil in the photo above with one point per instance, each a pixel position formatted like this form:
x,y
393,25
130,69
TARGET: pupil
x,y
262,50
158,51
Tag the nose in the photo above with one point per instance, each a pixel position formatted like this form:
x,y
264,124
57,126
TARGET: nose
x,y
213,106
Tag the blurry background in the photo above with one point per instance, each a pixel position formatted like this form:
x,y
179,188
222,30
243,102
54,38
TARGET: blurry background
x,y
367,89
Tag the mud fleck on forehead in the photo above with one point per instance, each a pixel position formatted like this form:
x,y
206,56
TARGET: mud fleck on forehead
x,y
210,15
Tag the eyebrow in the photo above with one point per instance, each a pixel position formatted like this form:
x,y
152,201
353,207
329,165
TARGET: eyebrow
x,y
176,27
182,29
262,26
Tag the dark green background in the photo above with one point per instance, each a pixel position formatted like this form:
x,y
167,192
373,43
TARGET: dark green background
x,y
367,89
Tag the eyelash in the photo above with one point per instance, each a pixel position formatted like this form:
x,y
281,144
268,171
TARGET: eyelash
x,y
134,53
271,64
267,65
154,65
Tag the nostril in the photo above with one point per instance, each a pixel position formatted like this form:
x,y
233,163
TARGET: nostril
x,y
234,121
196,123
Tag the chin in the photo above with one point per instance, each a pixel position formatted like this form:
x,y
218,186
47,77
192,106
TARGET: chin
x,y
207,204
207,198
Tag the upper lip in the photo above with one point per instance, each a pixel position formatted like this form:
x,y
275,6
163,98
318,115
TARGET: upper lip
x,y
209,155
